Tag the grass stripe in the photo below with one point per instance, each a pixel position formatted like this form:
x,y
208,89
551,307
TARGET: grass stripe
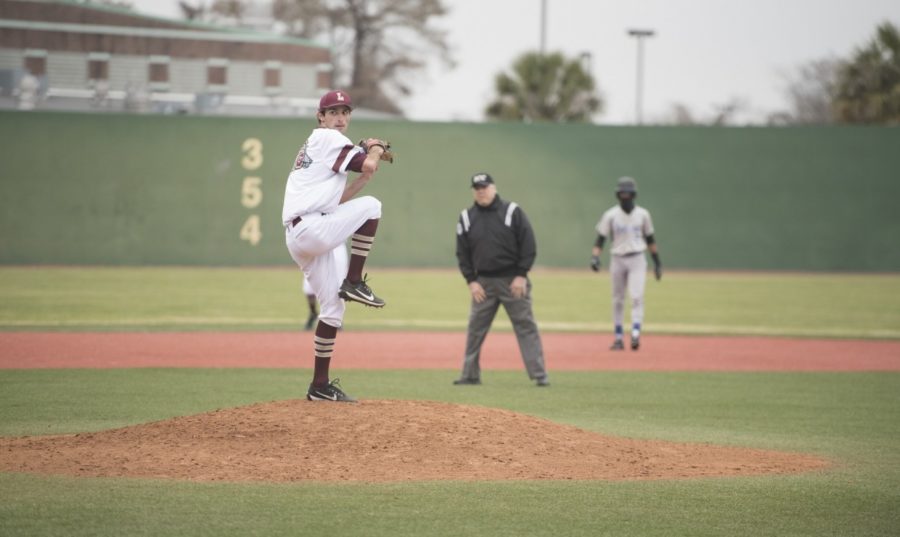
x,y
181,298
439,324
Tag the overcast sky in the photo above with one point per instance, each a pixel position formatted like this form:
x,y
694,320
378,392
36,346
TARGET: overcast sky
x,y
705,52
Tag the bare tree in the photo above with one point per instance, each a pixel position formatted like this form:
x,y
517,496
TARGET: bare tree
x,y
723,114
810,92
233,9
304,18
227,12
726,112
679,114
378,44
193,11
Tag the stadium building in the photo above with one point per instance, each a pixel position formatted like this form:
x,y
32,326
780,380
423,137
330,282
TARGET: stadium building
x,y
66,55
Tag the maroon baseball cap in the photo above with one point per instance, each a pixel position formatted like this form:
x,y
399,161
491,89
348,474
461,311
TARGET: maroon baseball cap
x,y
335,98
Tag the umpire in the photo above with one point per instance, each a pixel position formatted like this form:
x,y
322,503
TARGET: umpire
x,y
495,249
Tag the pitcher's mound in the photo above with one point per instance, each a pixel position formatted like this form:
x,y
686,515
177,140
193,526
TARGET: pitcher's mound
x,y
377,441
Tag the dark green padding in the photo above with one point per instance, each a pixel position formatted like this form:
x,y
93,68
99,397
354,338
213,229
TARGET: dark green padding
x,y
135,190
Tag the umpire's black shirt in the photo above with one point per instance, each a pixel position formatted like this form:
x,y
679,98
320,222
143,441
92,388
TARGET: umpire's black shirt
x,y
496,240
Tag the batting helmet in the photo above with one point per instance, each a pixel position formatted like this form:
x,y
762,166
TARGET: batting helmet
x,y
626,184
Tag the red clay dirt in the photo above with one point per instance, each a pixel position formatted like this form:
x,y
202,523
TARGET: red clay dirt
x,y
377,441
401,440
439,350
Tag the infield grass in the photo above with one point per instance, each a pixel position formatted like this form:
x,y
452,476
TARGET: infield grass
x,y
171,298
852,419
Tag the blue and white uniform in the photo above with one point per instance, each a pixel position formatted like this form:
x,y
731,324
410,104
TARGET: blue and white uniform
x,y
628,264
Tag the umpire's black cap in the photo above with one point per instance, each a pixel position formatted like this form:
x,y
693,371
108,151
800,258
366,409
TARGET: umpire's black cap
x,y
482,179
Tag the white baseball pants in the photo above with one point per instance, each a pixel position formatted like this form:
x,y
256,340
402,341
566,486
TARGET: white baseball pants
x,y
312,243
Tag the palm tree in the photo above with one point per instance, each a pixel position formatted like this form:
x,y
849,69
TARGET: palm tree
x,y
545,88
868,89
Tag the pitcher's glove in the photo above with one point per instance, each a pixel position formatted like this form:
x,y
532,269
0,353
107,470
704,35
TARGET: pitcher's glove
x,y
386,155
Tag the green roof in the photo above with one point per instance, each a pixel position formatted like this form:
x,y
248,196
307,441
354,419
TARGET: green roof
x,y
199,31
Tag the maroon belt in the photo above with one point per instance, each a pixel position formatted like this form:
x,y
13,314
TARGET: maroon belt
x,y
299,219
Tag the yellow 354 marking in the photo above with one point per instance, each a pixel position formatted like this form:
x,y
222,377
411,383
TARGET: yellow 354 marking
x,y
251,192
251,189
250,231
253,157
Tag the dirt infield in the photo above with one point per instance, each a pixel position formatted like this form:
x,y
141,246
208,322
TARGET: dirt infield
x,y
377,441
401,440
439,350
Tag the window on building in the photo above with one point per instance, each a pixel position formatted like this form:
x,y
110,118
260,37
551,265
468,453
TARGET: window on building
x,y
98,66
323,75
272,76
98,70
36,62
158,70
217,72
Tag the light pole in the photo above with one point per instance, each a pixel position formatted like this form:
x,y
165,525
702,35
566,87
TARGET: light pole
x,y
543,27
586,62
639,91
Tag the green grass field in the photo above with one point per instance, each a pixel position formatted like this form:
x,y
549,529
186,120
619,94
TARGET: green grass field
x,y
814,305
851,418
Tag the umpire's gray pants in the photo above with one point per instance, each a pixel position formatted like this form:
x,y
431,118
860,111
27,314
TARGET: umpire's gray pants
x,y
519,310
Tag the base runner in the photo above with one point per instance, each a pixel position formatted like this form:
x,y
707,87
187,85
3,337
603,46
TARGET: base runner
x,y
630,229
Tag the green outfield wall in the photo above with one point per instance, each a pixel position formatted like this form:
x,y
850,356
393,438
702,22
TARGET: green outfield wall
x,y
124,189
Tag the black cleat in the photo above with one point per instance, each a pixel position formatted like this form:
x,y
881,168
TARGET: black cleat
x,y
329,392
635,343
467,382
311,321
542,382
360,292
617,345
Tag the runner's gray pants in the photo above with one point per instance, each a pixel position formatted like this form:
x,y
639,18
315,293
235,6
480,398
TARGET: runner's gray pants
x,y
628,272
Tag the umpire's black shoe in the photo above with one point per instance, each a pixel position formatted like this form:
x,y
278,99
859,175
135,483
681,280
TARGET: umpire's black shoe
x,y
635,343
465,382
617,345
360,292
328,392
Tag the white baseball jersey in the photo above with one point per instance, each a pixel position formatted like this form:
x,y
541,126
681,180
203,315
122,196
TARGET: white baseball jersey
x,y
314,189
626,231
317,180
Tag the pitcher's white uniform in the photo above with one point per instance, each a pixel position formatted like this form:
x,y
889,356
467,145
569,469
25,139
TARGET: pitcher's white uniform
x,y
342,261
313,193
628,265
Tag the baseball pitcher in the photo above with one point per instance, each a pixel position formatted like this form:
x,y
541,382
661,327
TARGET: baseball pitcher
x,y
319,216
